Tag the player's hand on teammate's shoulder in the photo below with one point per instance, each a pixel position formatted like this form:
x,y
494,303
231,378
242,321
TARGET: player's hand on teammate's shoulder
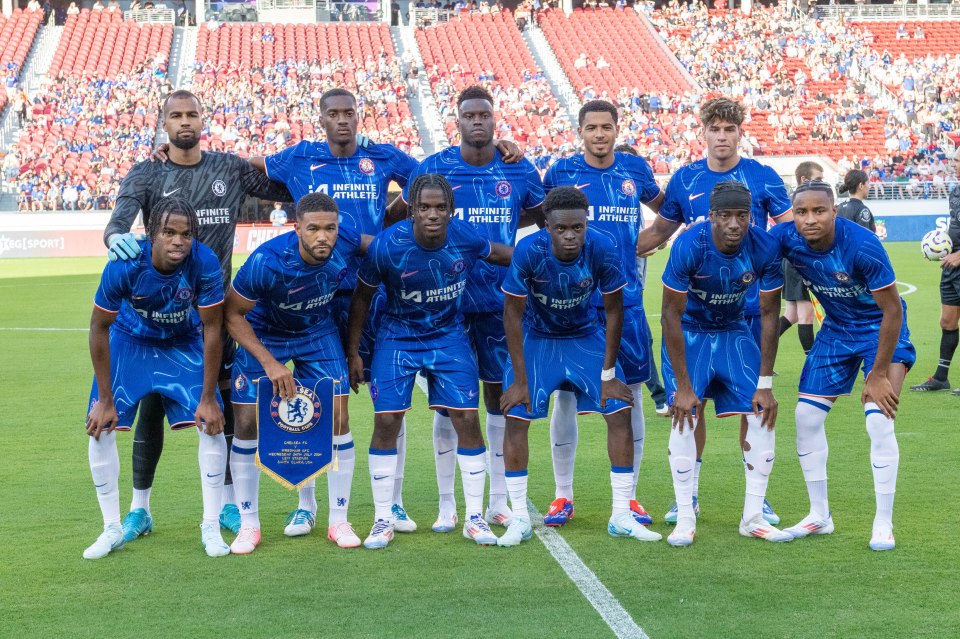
x,y
615,389
102,418
951,261
685,402
161,153
879,390
363,141
764,400
209,416
282,379
515,395
510,151
124,246
355,365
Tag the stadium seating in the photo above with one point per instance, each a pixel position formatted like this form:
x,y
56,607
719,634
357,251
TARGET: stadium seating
x,y
636,59
487,49
261,83
17,33
97,115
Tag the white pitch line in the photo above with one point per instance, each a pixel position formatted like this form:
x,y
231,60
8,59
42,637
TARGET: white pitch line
x,y
43,329
602,600
910,288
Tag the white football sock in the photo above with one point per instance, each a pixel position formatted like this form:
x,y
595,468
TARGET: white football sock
x,y
885,460
696,477
246,478
683,450
496,426
401,461
758,464
517,488
339,481
621,483
141,499
307,497
105,470
639,433
812,450
228,497
383,465
473,475
444,455
563,442
212,454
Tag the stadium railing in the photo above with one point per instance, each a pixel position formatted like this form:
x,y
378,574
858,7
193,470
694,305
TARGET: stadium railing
x,y
889,11
157,16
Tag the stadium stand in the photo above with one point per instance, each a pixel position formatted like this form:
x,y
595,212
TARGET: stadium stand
x,y
487,49
261,83
17,32
97,114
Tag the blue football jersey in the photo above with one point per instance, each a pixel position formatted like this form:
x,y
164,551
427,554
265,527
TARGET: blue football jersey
x,y
687,198
717,284
424,287
358,183
842,277
491,198
158,308
293,297
559,293
615,195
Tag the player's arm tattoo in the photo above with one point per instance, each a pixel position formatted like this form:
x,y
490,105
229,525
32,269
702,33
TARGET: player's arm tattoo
x,y
500,254
359,309
652,237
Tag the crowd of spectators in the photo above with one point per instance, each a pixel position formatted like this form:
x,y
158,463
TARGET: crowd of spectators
x,y
83,134
261,110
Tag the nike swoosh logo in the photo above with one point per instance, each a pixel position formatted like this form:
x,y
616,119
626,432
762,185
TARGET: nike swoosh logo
x,y
406,274
582,186
314,167
683,472
454,188
444,452
695,196
295,290
379,477
101,485
770,459
477,472
498,455
217,475
168,194
804,454
541,281
879,467
140,297
566,444
701,277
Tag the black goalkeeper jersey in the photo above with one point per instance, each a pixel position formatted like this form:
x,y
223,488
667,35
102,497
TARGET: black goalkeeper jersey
x,y
216,187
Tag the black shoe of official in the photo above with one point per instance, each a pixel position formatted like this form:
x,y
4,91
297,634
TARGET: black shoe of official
x,y
932,385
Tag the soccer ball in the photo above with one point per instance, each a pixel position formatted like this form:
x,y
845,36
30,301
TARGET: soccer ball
x,y
936,245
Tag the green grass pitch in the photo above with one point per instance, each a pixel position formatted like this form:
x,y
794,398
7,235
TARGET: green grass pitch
x,y
430,585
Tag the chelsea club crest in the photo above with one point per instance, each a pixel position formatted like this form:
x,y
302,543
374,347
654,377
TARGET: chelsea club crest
x,y
298,414
366,166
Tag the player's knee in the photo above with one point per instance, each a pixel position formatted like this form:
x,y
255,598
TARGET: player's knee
x,y
949,322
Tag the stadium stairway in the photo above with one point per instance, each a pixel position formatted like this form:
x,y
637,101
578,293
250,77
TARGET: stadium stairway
x,y
183,55
34,70
423,106
547,60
